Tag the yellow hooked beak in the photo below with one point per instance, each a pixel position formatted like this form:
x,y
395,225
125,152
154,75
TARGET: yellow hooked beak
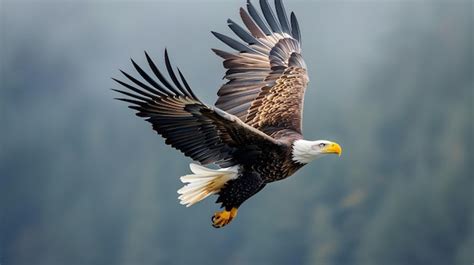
x,y
333,148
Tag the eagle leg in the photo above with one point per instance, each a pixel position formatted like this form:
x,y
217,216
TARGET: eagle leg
x,y
233,194
222,218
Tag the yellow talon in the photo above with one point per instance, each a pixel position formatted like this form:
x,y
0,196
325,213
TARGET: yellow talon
x,y
221,219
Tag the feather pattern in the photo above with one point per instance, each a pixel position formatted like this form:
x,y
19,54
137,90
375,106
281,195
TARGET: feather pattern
x,y
282,17
269,16
267,67
208,135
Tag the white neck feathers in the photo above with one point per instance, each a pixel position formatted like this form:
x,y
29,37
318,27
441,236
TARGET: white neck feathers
x,y
302,151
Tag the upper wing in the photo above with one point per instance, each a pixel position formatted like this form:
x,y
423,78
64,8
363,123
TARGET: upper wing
x,y
267,75
207,135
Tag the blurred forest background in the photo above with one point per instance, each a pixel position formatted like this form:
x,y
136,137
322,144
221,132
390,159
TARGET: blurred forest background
x,y
83,181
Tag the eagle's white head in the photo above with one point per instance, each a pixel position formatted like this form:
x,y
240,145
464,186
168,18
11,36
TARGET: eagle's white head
x,y
306,151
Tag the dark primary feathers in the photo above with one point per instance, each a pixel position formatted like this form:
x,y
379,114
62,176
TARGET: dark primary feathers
x,y
206,134
267,75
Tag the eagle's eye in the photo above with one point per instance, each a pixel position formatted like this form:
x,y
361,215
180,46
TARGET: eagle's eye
x,y
322,145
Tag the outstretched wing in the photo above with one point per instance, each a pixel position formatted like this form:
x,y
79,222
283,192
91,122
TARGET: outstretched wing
x,y
267,75
207,135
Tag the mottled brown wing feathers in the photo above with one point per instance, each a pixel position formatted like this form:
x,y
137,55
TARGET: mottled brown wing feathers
x,y
280,106
207,135
265,70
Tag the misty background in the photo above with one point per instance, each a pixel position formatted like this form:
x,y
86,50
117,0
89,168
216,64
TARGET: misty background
x,y
84,181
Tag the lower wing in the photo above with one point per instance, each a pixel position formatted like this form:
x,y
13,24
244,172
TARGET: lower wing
x,y
206,134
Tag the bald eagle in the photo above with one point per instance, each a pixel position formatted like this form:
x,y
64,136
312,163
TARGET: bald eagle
x,y
253,134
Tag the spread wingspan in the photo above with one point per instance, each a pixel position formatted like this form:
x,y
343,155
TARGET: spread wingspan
x,y
267,75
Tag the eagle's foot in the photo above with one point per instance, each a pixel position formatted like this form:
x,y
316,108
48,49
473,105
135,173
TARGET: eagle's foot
x,y
222,218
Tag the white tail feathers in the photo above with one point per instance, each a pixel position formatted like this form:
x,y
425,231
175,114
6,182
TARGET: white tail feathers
x,y
204,182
